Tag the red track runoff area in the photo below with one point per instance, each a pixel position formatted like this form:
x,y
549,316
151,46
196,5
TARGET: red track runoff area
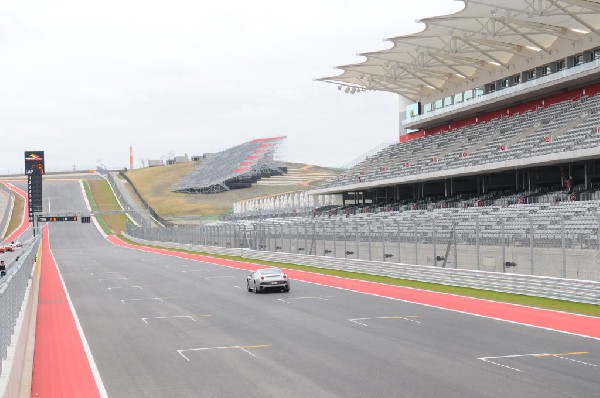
x,y
25,221
582,325
60,365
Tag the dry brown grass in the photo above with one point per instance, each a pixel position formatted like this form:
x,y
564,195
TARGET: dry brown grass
x,y
155,183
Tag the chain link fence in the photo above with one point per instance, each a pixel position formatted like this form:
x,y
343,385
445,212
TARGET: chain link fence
x,y
549,245
13,287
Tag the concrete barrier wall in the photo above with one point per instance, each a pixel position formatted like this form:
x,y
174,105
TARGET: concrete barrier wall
x,y
538,286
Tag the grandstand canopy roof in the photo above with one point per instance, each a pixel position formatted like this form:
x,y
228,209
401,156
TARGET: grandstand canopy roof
x,y
487,35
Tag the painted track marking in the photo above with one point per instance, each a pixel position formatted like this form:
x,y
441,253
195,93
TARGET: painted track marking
x,y
125,287
244,348
60,341
405,318
312,297
161,299
111,279
545,355
191,317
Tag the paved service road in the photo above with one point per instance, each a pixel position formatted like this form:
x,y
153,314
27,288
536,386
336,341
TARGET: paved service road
x,y
161,326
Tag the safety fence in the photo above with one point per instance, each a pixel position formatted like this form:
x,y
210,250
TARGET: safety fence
x,y
13,287
555,288
547,245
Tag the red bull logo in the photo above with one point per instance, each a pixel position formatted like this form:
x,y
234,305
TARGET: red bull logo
x,y
33,157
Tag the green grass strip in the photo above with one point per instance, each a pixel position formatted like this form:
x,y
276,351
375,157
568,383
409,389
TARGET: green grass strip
x,y
99,218
539,302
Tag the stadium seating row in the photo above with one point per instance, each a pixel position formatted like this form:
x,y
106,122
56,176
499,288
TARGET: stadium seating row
x,y
538,133
236,167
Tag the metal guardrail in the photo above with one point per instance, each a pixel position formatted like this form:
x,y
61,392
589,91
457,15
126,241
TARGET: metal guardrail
x,y
132,212
9,207
538,286
124,201
12,292
551,245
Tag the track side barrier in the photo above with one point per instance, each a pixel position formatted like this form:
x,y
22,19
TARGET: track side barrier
x,y
539,286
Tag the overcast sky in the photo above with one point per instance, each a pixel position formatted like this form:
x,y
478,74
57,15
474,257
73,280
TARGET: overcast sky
x,y
84,80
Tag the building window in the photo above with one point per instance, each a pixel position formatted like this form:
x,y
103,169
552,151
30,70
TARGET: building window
x,y
439,104
468,95
516,79
596,54
560,65
531,74
578,59
458,98
478,91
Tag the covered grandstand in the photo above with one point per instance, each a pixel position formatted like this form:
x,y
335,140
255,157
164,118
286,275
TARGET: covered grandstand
x,y
234,168
499,98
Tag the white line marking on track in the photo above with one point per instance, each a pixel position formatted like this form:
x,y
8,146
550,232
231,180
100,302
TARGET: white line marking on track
x,y
111,279
405,318
237,287
560,355
125,287
283,301
504,366
193,270
192,317
161,299
239,347
312,297
574,360
103,272
86,347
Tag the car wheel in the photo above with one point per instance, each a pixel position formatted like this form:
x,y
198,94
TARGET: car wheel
x,y
286,290
248,286
256,290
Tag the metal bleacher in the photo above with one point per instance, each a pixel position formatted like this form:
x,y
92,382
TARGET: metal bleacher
x,y
236,167
538,134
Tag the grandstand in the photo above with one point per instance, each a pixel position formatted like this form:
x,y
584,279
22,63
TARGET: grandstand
x,y
501,99
235,168
559,133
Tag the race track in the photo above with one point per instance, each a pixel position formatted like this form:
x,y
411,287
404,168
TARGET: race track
x,y
162,326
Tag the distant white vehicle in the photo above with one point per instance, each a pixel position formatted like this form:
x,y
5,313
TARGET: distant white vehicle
x,y
268,279
14,245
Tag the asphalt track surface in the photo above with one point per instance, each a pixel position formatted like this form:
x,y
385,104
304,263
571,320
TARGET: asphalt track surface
x,y
161,326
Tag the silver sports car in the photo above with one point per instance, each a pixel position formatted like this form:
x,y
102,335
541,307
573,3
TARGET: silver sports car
x,y
267,279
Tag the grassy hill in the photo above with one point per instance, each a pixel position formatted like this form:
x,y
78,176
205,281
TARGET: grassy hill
x,y
155,183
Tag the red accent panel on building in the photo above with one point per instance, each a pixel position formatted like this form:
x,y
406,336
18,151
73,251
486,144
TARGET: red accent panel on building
x,y
520,108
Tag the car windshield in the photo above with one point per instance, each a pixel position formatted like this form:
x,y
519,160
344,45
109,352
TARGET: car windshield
x,y
273,271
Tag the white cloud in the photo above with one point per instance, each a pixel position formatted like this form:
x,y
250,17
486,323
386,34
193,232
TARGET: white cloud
x,y
84,80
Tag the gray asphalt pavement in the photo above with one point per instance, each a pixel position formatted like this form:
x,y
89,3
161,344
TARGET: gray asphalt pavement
x,y
160,326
